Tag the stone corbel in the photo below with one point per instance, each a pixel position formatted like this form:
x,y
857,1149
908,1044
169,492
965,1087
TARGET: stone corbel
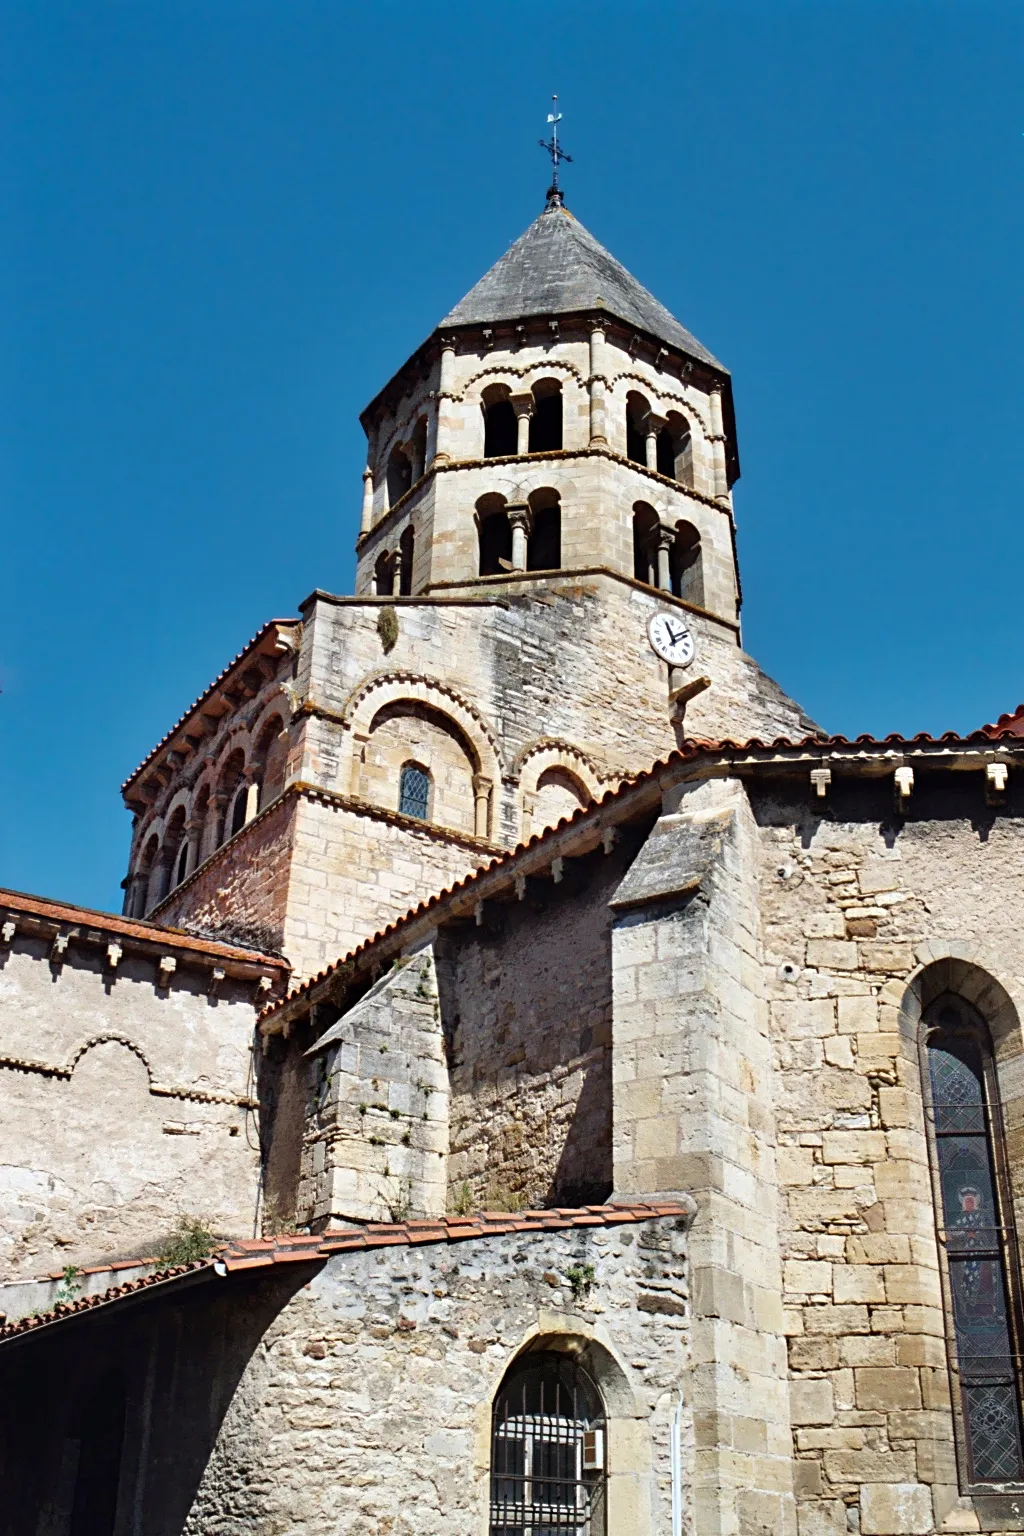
x,y
996,778
903,786
821,780
557,870
114,953
8,931
216,977
58,949
609,837
165,970
263,989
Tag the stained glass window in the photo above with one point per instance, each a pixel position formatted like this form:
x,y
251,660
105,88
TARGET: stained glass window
x,y
975,1229
414,792
547,1451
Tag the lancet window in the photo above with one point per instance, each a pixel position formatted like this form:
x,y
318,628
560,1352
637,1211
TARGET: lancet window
x,y
977,1241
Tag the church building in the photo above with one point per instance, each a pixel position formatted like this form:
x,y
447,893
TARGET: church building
x,y
603,1089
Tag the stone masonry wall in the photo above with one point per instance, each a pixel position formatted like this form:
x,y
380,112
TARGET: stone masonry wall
x,y
368,1408
240,895
376,1133
694,1111
122,1103
526,1011
861,907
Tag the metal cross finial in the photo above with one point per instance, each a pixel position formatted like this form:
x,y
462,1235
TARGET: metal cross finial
x,y
557,154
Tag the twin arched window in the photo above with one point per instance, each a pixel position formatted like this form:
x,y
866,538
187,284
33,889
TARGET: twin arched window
x,y
977,1240
548,1450
414,792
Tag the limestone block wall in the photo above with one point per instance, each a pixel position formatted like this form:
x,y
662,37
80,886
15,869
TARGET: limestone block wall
x,y
526,1011
867,916
375,1142
693,1109
369,1406
124,1099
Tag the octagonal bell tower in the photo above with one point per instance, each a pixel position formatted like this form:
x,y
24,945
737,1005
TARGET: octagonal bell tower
x,y
559,419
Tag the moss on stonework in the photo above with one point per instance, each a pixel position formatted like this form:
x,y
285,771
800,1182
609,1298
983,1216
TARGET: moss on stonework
x,y
387,628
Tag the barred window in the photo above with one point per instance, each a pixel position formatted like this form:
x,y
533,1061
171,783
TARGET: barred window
x,y
548,1451
978,1247
414,792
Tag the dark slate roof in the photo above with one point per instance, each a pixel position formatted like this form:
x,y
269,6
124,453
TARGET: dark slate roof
x,y
558,268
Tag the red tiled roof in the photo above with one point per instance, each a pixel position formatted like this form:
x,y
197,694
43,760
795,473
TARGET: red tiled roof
x,y
1006,725
260,635
64,912
262,1253
690,750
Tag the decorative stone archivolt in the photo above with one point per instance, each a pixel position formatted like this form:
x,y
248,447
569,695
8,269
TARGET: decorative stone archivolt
x,y
660,396
65,1071
630,1453
551,752
510,374
969,970
384,688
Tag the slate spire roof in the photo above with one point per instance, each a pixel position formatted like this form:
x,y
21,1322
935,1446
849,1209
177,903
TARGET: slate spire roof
x,y
558,268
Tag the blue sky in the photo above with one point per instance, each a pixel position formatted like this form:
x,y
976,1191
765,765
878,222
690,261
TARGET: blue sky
x,y
225,225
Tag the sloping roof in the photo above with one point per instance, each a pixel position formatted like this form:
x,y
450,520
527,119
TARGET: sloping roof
x,y
630,795
1007,725
15,905
558,268
261,1253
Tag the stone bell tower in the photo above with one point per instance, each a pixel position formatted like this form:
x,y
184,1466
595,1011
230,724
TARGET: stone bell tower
x,y
548,474
558,419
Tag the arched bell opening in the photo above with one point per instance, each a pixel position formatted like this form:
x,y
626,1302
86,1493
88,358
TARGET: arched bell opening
x,y
638,411
494,532
544,546
546,420
500,429
406,553
399,475
645,528
686,566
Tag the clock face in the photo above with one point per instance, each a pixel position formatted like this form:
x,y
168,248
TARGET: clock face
x,y
671,639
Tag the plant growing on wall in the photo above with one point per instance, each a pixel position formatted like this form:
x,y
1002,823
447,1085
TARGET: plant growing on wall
x,y
190,1240
581,1279
70,1287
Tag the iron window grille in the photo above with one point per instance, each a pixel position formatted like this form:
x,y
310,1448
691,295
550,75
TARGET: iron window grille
x,y
548,1451
414,792
977,1244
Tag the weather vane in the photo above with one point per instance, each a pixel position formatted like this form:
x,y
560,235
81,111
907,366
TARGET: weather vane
x,y
556,152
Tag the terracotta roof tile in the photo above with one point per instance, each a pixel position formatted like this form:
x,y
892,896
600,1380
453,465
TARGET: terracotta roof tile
x,y
689,751
65,912
263,1253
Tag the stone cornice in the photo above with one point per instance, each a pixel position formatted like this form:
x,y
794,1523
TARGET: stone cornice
x,y
557,456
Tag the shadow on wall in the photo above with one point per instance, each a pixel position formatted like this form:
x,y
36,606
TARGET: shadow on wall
x,y
110,1422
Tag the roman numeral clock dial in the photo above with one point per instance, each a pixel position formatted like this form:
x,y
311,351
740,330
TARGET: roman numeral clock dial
x,y
671,639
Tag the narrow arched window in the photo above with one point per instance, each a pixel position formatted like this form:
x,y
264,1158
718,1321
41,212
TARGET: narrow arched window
x,y
976,1240
406,552
414,792
500,430
547,1450
399,475
546,420
238,811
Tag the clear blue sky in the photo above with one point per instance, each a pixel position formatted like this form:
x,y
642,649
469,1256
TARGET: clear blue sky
x,y
227,222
